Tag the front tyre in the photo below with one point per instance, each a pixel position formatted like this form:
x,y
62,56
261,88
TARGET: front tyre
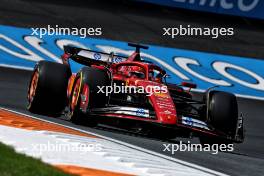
x,y
222,115
223,112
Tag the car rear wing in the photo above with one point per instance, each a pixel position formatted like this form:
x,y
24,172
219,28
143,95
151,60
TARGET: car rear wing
x,y
88,57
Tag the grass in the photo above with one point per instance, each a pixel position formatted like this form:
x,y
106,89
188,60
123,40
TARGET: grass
x,y
14,164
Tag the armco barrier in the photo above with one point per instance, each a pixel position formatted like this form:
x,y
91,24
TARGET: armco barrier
x,y
247,8
243,76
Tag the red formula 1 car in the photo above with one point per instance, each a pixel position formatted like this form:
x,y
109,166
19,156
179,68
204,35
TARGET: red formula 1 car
x,y
132,93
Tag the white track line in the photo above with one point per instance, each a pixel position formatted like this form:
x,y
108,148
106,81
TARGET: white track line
x,y
16,67
181,162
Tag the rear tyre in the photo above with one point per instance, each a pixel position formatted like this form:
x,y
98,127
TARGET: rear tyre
x,y
223,115
47,91
91,78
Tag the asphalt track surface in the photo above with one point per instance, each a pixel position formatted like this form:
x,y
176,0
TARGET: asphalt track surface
x,y
137,23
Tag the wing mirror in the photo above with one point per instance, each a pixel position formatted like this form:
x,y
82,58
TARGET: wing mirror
x,y
166,76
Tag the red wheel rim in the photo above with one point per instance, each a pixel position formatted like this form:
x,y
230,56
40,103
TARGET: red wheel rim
x,y
33,85
75,94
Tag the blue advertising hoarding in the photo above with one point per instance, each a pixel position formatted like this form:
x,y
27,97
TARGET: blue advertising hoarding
x,y
246,8
240,75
